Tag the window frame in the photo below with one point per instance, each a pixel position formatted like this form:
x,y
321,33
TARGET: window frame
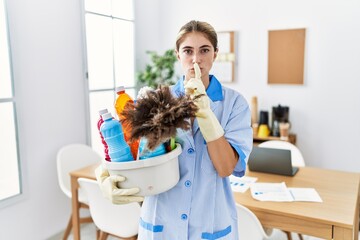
x,y
89,125
17,197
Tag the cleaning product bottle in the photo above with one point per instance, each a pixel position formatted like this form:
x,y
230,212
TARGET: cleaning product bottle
x,y
146,153
120,103
112,132
100,121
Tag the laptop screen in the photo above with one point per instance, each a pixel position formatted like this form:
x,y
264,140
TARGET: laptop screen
x,y
271,160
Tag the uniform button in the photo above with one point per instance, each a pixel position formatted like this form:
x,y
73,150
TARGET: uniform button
x,y
187,183
183,216
190,151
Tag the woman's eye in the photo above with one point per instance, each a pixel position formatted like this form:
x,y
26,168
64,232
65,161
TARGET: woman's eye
x,y
187,51
205,50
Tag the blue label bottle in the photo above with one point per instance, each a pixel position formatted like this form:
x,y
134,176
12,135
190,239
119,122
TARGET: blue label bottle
x,y
146,153
112,132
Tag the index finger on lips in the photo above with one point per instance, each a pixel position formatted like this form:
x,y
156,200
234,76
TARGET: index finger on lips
x,y
197,71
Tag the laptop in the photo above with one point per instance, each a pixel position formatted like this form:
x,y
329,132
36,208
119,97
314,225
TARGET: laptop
x,y
271,160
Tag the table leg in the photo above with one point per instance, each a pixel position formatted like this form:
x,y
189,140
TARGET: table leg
x,y
75,208
344,234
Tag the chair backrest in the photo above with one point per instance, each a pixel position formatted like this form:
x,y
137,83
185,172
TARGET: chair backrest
x,y
72,157
249,225
121,220
296,156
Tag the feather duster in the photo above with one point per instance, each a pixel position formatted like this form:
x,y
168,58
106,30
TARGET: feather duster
x,y
157,115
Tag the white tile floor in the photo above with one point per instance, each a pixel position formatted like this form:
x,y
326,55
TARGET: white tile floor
x,y
88,232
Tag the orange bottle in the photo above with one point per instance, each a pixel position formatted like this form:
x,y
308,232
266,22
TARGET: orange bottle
x,y
122,99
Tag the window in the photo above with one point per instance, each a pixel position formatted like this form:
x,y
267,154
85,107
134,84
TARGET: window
x,y
110,56
10,184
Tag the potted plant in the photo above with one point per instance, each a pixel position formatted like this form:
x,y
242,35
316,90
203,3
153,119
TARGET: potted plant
x,y
160,71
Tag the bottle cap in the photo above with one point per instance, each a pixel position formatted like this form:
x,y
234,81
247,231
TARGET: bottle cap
x,y
120,89
103,111
106,116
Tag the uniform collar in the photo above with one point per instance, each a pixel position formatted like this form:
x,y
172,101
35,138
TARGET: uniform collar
x,y
214,90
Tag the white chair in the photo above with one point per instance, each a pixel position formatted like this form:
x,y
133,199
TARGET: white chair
x,y
296,160
249,225
296,156
69,158
118,220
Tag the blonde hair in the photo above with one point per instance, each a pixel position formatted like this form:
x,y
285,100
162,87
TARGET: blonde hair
x,y
197,26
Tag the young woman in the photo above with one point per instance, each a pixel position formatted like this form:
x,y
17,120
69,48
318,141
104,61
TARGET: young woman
x,y
201,205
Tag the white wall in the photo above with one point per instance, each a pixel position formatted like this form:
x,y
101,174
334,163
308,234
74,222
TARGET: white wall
x,y
47,55
50,100
147,28
325,110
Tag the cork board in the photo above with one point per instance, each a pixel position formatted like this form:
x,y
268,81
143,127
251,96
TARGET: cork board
x,y
286,56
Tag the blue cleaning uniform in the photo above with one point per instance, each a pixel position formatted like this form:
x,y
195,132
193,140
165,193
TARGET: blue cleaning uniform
x,y
201,205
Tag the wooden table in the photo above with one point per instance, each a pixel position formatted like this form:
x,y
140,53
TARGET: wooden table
x,y
337,217
87,172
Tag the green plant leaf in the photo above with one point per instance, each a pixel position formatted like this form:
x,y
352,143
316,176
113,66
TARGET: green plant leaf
x,y
160,71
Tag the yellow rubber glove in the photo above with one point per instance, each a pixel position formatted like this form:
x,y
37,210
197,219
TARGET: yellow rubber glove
x,y
208,123
108,186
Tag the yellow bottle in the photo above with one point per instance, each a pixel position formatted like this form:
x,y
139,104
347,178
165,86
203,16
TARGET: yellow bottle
x,y
264,131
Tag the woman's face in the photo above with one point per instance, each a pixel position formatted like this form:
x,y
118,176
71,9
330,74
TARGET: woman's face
x,y
196,48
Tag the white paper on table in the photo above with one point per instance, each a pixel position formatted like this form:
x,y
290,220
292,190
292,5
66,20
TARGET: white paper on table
x,y
305,194
276,192
241,184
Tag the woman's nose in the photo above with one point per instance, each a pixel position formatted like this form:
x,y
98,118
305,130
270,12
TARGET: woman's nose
x,y
196,58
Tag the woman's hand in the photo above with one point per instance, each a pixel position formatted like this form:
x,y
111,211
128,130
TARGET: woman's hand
x,y
208,123
110,190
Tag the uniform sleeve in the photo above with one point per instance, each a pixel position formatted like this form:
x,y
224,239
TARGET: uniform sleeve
x,y
238,132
